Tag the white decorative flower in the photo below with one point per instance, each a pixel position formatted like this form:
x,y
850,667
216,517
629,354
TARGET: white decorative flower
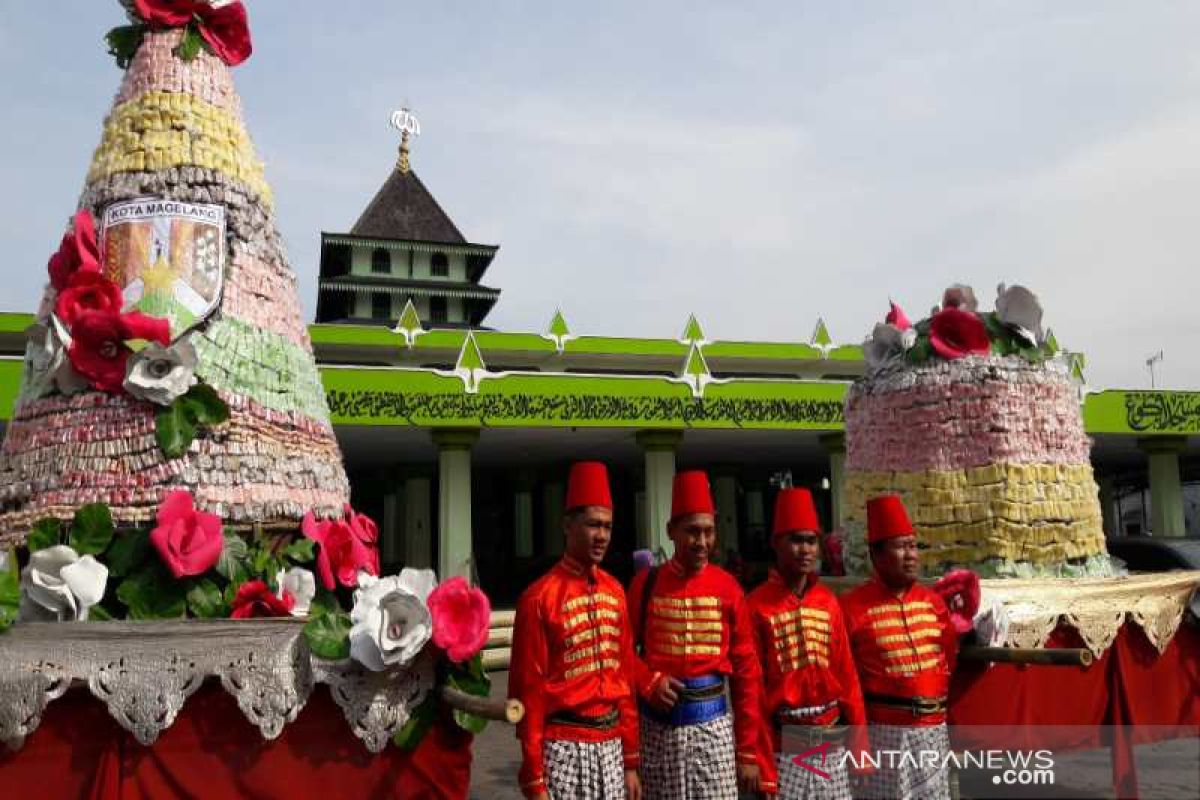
x,y
161,374
991,623
390,619
1018,308
887,343
59,585
301,585
46,363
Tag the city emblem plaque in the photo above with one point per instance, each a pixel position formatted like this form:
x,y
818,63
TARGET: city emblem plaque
x,y
167,256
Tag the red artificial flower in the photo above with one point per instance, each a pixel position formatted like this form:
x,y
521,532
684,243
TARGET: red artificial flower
x,y
959,589
342,554
365,530
955,333
461,617
87,291
896,317
255,599
98,351
225,28
78,251
188,541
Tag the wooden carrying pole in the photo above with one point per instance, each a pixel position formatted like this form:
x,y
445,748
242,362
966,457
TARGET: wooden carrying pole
x,y
1056,657
510,711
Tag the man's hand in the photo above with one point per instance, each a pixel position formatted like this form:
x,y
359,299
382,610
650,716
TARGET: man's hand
x,y
665,694
747,776
633,785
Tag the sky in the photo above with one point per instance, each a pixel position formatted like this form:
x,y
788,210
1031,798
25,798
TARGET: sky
x,y
759,165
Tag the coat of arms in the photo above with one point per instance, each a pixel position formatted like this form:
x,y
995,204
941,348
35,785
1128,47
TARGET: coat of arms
x,y
167,256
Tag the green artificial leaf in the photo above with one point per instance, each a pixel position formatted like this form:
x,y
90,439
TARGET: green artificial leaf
x,y
174,430
10,589
127,552
470,677
204,600
45,533
232,563
419,722
469,722
92,529
328,635
324,602
1032,354
123,42
189,46
301,551
99,613
920,352
204,406
153,593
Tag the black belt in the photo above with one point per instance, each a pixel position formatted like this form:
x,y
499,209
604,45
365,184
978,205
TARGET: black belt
x,y
815,735
707,693
919,706
604,722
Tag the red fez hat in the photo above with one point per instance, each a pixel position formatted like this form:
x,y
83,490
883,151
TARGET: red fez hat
x,y
588,486
690,494
794,511
887,519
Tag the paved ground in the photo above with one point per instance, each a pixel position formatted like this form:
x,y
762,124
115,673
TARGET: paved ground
x,y
1167,771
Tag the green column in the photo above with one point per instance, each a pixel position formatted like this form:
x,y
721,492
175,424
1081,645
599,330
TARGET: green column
x,y
658,448
725,497
835,448
418,519
523,514
454,501
1166,490
554,494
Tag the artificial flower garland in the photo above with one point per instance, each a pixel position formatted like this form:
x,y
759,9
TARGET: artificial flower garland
x,y
223,30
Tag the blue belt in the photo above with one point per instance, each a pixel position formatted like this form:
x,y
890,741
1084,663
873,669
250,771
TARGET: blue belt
x,y
691,710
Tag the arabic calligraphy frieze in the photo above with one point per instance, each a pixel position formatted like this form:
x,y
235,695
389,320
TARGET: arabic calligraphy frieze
x,y
1174,412
417,407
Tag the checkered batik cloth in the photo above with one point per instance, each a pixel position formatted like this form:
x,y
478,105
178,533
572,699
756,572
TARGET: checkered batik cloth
x,y
797,782
909,781
584,770
689,762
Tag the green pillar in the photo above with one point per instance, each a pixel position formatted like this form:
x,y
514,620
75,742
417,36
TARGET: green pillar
x,y
1166,490
523,514
418,519
725,497
554,495
658,448
454,501
835,448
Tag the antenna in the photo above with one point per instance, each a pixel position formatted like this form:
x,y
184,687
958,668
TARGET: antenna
x,y
1150,362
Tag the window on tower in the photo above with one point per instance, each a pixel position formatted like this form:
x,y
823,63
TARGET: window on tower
x,y
381,261
437,309
381,305
439,266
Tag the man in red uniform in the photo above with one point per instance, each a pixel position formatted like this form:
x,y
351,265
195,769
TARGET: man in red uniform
x,y
811,682
571,655
905,648
690,618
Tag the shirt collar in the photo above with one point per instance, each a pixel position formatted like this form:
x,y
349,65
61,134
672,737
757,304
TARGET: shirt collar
x,y
812,580
579,570
677,568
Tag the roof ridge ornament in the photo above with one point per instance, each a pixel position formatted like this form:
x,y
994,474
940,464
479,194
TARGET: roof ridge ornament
x,y
405,121
409,325
558,332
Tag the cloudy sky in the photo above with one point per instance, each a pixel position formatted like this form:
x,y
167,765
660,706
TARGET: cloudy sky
x,y
760,166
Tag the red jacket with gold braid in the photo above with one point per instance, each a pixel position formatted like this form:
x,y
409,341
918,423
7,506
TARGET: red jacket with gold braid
x,y
571,652
904,645
698,625
803,646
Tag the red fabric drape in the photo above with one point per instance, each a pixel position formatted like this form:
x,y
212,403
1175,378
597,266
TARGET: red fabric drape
x,y
1064,708
212,751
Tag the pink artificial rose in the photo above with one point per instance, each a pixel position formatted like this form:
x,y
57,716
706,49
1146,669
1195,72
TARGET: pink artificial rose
x,y
255,599
955,333
898,318
959,589
461,618
78,251
87,291
188,541
366,531
341,553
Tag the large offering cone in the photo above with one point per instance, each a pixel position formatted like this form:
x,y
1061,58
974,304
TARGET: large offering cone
x,y
211,265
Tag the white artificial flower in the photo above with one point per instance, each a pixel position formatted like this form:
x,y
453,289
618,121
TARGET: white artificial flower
x,y
1018,308
161,374
301,585
390,619
59,585
887,343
